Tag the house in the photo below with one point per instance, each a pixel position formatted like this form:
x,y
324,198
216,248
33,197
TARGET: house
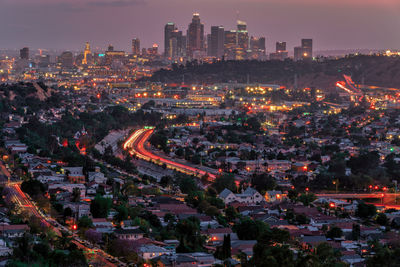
x,y
13,231
75,174
45,179
102,225
129,234
4,250
272,196
97,177
79,209
249,196
177,260
150,251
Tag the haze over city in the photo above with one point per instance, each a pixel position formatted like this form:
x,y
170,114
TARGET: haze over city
x,y
207,133
56,24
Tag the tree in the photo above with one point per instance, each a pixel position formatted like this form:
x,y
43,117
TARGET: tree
x,y
365,211
85,222
356,232
334,232
248,229
382,219
224,181
188,232
122,213
307,198
224,251
100,207
93,236
76,195
263,182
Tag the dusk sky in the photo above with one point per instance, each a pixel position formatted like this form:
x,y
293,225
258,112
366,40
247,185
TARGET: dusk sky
x,y
67,24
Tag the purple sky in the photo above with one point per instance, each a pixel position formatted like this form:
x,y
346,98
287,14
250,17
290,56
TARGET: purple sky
x,y
67,24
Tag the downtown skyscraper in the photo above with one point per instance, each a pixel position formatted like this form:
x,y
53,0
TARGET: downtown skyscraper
x,y
195,38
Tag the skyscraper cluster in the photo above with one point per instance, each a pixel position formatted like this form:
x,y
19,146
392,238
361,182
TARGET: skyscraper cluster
x,y
219,43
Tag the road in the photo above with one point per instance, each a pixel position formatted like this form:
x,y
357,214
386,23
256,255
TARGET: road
x,y
97,256
135,144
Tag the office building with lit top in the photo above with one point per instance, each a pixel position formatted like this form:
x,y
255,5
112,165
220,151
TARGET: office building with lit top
x,y
280,52
257,48
195,38
216,42
307,45
242,40
135,46
174,42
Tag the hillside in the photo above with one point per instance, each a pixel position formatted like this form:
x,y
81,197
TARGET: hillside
x,y
375,70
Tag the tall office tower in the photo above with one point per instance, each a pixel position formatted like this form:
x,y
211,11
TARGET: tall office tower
x,y
216,45
242,40
281,53
86,53
307,45
195,36
136,46
230,44
168,33
66,59
24,53
280,46
257,47
298,53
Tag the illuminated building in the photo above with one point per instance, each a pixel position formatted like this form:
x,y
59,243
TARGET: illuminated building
x,y
280,46
242,40
216,44
174,41
24,53
281,53
168,33
257,46
230,44
66,59
86,53
195,36
136,46
307,45
305,51
111,55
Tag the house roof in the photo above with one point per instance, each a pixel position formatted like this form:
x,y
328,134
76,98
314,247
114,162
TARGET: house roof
x,y
225,193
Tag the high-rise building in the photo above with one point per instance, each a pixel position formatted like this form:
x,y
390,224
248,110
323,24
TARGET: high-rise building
x,y
66,59
136,46
216,43
86,54
307,45
168,33
281,53
280,46
195,36
242,40
230,44
24,53
257,47
298,53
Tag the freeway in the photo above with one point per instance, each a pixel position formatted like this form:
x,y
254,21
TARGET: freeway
x,y
17,196
135,144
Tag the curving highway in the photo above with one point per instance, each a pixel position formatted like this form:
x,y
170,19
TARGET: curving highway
x,y
135,144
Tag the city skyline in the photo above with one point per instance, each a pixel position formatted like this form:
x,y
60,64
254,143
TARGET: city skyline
x,y
75,22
